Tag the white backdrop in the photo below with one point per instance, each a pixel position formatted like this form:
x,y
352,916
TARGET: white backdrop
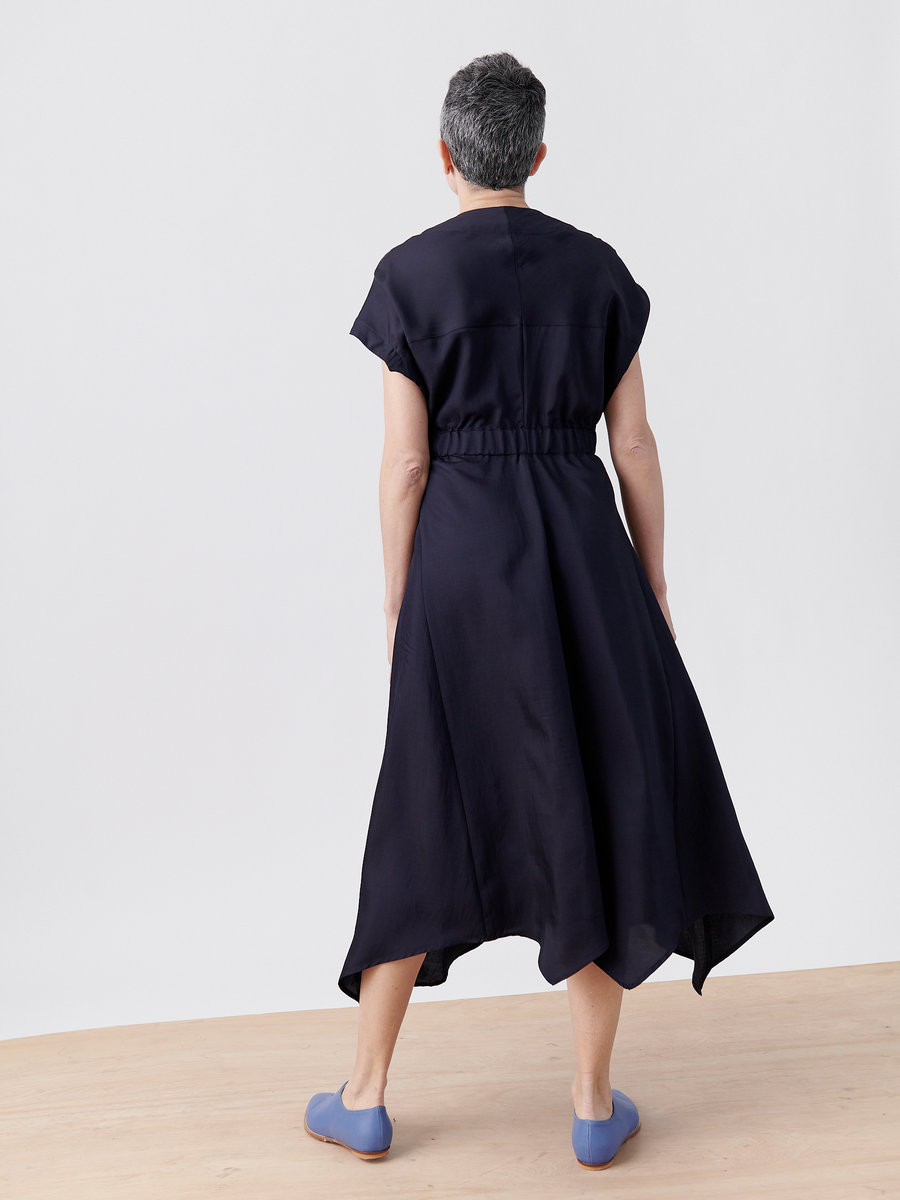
x,y
193,662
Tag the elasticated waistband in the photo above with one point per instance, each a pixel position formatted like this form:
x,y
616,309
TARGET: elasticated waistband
x,y
462,443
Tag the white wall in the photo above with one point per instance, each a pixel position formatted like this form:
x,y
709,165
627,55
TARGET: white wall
x,y
193,663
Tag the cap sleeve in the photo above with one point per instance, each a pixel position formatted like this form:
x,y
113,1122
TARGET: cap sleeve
x,y
380,329
627,317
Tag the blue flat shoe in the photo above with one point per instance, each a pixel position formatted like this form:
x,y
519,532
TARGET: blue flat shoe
x,y
365,1131
596,1143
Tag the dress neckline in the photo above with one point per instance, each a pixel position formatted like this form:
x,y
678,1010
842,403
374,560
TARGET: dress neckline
x,y
495,208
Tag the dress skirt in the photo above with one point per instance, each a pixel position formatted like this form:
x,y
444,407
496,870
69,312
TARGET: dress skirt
x,y
548,771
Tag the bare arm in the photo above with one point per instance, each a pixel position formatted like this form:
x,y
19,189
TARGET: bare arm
x,y
404,473
635,458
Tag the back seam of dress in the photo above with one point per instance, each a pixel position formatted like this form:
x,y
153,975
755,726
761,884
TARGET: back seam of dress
x,y
453,752
512,242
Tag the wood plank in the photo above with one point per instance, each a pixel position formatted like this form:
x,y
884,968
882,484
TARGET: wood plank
x,y
783,1085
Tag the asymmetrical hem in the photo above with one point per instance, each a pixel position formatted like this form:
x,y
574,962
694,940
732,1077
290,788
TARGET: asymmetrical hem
x,y
693,943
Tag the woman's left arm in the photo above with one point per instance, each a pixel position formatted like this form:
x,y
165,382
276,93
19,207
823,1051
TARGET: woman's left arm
x,y
404,474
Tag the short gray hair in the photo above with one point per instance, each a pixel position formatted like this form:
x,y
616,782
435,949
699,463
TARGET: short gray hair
x,y
492,121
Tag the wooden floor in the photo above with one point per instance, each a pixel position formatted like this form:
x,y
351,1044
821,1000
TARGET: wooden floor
x,y
780,1086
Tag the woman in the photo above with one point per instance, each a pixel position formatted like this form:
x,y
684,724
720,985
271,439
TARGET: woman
x,y
548,772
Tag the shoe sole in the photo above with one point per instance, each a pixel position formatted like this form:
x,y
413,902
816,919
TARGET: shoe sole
x,y
609,1163
320,1137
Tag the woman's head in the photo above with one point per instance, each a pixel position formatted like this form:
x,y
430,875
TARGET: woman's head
x,y
492,122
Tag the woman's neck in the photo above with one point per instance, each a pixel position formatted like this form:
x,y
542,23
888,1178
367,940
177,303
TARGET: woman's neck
x,y
470,198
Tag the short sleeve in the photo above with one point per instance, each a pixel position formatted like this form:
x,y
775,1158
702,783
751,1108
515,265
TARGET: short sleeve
x,y
380,330
627,316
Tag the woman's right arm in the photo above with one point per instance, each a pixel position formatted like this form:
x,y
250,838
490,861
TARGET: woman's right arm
x,y
636,461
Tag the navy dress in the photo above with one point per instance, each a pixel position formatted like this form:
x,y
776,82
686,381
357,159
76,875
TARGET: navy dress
x,y
548,771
